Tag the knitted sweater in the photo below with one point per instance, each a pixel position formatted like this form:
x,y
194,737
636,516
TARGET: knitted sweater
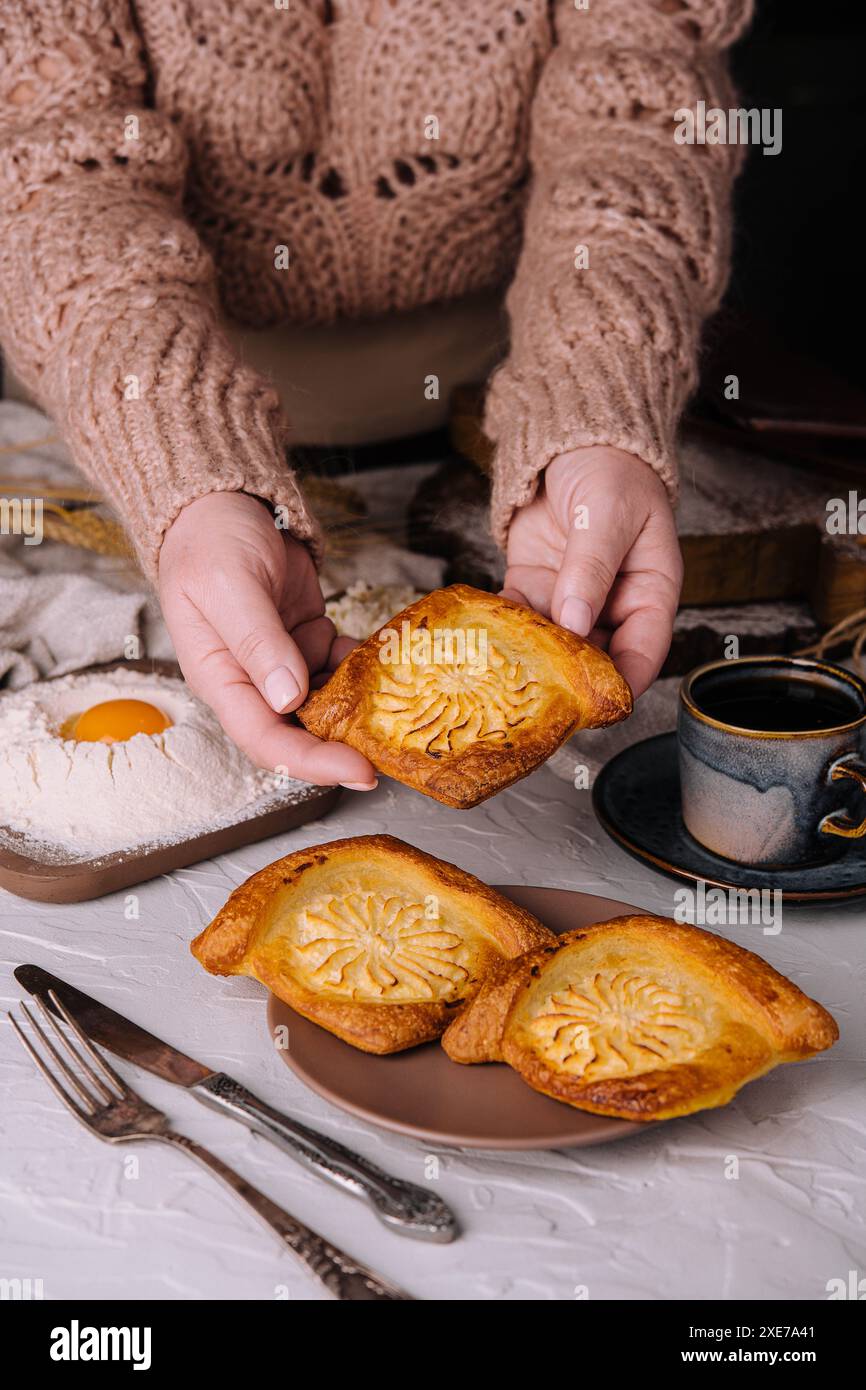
x,y
162,163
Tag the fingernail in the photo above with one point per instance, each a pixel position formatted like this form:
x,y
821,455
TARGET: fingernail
x,y
576,615
361,786
281,689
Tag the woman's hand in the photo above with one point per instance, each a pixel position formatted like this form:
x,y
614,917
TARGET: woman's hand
x,y
597,551
247,618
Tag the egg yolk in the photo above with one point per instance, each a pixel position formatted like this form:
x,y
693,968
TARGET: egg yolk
x,y
114,721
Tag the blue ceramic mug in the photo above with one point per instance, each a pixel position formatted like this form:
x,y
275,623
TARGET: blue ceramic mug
x,y
770,759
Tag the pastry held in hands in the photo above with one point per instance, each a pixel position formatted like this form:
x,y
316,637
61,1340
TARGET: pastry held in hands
x,y
374,940
464,693
640,1018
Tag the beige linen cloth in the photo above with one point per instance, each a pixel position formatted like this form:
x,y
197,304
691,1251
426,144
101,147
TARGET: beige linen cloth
x,y
60,607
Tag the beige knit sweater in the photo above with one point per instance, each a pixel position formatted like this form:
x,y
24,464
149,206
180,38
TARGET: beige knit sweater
x,y
163,161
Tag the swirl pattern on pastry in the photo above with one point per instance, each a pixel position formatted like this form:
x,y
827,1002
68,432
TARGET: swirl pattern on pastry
x,y
380,947
445,707
612,1024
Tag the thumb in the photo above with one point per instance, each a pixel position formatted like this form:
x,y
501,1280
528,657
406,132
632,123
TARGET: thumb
x,y
589,567
254,633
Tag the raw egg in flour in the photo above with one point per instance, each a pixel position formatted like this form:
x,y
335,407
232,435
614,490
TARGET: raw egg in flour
x,y
114,721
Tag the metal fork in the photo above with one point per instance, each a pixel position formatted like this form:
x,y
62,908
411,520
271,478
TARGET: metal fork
x,y
118,1115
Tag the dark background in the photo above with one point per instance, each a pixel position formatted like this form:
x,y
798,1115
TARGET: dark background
x,y
799,245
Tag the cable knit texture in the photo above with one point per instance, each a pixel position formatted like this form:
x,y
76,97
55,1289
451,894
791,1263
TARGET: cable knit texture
x,y
154,160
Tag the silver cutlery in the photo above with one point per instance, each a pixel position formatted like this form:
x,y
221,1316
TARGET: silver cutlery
x,y
404,1207
114,1112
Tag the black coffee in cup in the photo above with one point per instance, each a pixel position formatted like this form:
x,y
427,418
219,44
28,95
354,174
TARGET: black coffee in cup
x,y
771,759
776,702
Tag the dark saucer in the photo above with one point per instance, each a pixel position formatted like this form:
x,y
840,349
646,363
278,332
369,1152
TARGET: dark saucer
x,y
636,797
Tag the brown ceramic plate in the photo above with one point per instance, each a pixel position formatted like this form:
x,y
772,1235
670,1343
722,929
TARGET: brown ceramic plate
x,y
422,1094
81,880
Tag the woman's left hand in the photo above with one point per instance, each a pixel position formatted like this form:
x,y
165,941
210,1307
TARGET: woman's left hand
x,y
597,551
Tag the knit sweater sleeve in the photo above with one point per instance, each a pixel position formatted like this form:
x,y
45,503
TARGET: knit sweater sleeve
x,y
108,307
604,340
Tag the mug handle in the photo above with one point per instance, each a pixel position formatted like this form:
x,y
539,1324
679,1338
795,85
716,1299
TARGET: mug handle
x,y
837,822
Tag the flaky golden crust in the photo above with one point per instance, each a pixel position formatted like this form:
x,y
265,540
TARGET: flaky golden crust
x,y
372,939
641,1018
462,730
475,1035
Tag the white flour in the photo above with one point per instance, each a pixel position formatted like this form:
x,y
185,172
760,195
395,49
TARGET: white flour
x,y
88,799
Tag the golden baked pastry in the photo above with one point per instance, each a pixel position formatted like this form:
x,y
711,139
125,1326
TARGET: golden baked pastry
x,y
639,1017
464,693
374,940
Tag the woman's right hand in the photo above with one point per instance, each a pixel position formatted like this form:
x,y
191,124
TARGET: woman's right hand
x,y
245,612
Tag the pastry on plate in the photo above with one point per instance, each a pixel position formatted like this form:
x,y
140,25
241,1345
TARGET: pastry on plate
x,y
368,937
640,1018
464,693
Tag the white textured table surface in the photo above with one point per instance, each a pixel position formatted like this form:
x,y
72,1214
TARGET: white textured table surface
x,y
654,1216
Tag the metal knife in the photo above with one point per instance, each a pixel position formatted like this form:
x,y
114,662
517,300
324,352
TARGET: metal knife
x,y
402,1206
